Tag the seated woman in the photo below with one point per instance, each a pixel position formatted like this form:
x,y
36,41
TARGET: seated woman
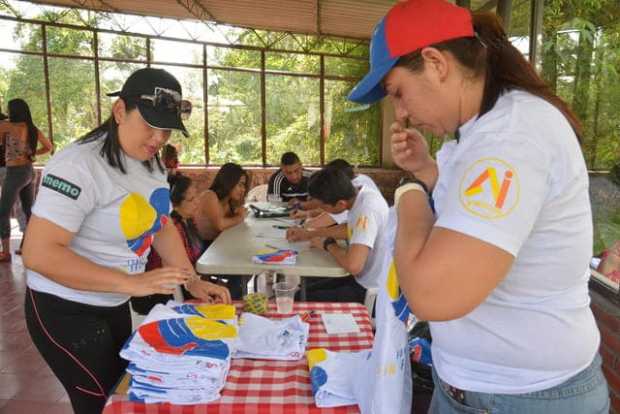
x,y
183,195
610,262
221,207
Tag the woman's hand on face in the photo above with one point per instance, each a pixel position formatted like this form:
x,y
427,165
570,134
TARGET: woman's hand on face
x,y
409,148
241,212
163,280
208,292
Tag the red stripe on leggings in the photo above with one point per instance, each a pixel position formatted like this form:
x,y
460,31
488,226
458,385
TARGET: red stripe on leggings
x,y
84,390
73,357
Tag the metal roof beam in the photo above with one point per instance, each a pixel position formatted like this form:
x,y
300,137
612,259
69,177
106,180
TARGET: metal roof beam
x,y
196,9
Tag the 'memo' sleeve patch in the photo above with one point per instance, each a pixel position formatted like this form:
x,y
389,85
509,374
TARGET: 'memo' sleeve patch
x,y
61,186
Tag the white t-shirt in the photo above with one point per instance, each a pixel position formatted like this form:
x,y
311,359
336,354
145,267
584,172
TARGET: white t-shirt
x,y
367,218
113,216
387,374
359,181
517,180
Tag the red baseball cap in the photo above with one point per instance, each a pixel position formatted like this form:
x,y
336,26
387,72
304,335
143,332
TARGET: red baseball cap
x,y
409,26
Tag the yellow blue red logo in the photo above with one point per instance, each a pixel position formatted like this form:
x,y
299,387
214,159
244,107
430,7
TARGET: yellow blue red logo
x,y
398,300
141,219
193,335
490,188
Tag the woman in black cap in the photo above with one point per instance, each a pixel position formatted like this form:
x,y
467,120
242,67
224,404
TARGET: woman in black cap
x,y
501,270
102,203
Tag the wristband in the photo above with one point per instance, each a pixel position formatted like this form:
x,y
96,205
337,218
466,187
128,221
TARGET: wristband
x,y
327,242
406,188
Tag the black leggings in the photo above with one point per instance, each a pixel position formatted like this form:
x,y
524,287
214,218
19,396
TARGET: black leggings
x,y
18,181
80,343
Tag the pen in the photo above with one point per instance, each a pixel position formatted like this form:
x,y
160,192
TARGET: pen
x,y
276,226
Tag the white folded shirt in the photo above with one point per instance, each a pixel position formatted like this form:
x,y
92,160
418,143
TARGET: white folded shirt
x,y
150,394
333,375
262,338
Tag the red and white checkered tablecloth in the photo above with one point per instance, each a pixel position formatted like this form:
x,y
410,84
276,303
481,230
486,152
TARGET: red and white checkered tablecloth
x,y
274,387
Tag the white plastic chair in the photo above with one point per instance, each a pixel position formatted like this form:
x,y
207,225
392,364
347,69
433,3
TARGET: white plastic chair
x,y
258,193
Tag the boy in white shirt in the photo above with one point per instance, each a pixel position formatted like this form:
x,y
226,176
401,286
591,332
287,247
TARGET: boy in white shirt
x,y
368,212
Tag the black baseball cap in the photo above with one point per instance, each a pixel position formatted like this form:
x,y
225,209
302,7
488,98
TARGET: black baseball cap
x,y
150,82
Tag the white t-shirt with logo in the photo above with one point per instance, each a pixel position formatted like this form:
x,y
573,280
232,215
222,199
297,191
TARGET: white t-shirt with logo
x,y
367,218
113,216
385,385
517,180
359,181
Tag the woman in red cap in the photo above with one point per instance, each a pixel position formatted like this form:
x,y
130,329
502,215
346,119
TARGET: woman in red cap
x,y
103,202
501,269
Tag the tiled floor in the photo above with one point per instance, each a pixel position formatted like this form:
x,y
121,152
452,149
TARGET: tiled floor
x,y
27,386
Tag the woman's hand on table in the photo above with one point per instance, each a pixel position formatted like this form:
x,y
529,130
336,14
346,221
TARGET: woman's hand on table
x,y
317,242
163,280
207,291
297,234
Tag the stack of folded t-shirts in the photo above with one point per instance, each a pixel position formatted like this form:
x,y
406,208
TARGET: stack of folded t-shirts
x,y
334,375
181,353
262,338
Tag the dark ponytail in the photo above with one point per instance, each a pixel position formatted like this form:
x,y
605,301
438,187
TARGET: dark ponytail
x,y
491,54
178,188
20,112
111,149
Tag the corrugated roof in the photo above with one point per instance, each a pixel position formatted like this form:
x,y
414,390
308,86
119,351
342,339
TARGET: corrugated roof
x,y
344,18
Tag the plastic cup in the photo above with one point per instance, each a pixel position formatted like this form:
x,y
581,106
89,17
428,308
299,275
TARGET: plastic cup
x,y
285,296
274,200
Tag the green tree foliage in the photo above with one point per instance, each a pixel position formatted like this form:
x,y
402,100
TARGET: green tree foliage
x,y
293,106
581,57
235,123
581,60
71,81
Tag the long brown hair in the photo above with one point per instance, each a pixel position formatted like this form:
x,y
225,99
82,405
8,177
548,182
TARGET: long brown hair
x,y
19,111
490,53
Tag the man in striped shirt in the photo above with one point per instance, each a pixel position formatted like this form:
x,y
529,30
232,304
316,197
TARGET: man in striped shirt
x,y
290,182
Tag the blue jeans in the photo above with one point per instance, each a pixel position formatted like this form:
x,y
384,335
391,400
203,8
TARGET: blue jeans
x,y
585,393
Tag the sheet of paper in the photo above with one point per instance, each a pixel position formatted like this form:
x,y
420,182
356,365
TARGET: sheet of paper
x,y
339,323
270,233
273,243
301,246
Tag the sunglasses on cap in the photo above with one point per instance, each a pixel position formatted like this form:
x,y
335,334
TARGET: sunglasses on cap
x,y
169,100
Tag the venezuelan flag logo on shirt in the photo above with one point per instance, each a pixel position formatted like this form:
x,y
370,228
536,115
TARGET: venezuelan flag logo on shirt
x,y
398,300
490,188
318,376
193,335
140,219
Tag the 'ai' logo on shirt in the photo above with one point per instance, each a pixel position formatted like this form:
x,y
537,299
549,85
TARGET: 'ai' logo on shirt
x,y
362,223
490,188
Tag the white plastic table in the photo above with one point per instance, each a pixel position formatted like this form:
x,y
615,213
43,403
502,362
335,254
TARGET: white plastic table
x,y
231,253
